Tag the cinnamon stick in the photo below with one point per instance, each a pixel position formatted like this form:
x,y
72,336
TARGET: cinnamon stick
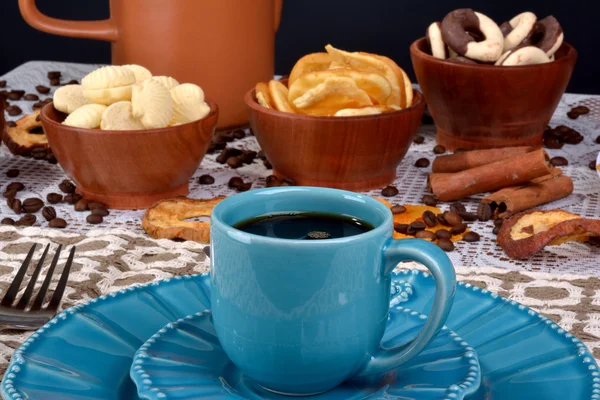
x,y
490,177
512,200
475,158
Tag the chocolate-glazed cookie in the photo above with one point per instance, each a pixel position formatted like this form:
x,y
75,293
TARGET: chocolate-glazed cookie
x,y
547,35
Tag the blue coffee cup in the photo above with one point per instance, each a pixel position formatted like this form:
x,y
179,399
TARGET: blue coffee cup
x,y
302,316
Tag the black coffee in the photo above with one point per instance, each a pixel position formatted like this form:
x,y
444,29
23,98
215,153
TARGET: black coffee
x,y
304,225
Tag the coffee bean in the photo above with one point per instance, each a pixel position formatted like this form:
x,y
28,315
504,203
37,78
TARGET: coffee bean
x,y
2,84
429,200
261,154
32,205
15,95
100,211
457,207
18,186
206,251
597,140
552,143
94,219
27,220
93,205
288,182
572,115
484,212
54,74
411,231
445,244
468,217
401,228
16,206
38,153
13,111
496,230
226,136
81,205
443,234
55,82
272,181
452,218
234,162
244,187
227,153
389,191
54,198
7,221
31,97
439,149
58,223
12,173
50,158
11,124
458,229
238,134
235,182
42,89
10,194
417,225
418,139
398,209
49,213
67,186
47,101
267,164
206,180
498,222
422,163
442,220
72,198
574,139
38,105
581,110
430,218
426,235
592,165
471,237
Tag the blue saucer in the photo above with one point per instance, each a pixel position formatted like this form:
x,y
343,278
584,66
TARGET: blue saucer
x,y
86,352
184,360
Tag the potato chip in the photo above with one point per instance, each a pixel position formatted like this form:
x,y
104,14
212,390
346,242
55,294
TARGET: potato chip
x,y
356,112
279,96
262,95
334,94
310,63
404,80
368,63
374,84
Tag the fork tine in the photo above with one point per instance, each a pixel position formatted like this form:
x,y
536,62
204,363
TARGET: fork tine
x,y
13,289
39,300
29,290
62,283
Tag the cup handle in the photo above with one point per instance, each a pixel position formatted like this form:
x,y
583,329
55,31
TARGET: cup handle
x,y
442,270
99,30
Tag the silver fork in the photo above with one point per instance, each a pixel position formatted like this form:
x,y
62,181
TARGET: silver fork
x,y
15,316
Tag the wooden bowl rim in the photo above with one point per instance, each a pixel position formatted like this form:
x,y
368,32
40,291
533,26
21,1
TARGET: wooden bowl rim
x,y
251,101
568,58
214,109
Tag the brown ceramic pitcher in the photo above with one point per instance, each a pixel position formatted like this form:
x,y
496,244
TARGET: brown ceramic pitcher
x,y
225,46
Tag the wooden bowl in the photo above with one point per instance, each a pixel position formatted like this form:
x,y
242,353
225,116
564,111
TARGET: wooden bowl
x,y
352,153
484,106
129,169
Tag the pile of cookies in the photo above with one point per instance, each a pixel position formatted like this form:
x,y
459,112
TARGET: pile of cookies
x,y
128,97
466,36
341,84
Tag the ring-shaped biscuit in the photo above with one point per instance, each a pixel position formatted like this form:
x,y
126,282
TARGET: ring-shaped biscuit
x,y
459,28
527,55
518,29
547,35
436,43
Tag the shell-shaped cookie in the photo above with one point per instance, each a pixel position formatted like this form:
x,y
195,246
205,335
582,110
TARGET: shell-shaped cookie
x,y
187,92
69,98
152,103
166,81
141,73
189,112
119,117
111,76
88,116
109,96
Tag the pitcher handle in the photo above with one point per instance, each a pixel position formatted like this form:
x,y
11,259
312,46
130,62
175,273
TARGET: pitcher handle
x,y
99,30
278,8
442,270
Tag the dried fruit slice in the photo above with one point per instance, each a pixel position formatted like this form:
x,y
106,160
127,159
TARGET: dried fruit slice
x,y
141,73
27,135
262,95
403,79
152,103
119,117
368,63
88,116
166,219
279,96
310,63
374,84
525,234
109,96
111,76
334,94
69,98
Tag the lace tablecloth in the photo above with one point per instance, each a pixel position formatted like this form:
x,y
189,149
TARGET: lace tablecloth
x,y
559,282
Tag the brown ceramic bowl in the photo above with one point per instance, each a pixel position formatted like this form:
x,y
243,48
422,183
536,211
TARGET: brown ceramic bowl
x,y
352,153
129,169
484,106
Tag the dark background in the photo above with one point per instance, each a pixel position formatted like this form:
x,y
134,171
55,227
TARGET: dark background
x,y
386,27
